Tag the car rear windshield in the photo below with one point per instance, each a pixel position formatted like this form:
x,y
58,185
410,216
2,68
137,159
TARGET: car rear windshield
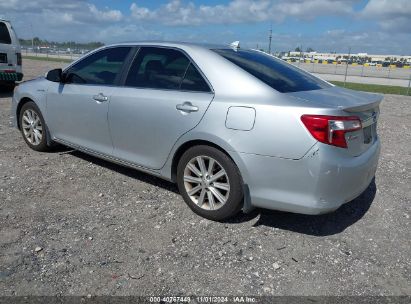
x,y
4,34
279,75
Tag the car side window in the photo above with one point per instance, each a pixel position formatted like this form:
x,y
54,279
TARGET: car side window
x,y
4,34
102,67
194,81
158,68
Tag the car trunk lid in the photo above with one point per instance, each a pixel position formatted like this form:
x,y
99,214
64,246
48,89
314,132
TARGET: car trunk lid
x,y
351,103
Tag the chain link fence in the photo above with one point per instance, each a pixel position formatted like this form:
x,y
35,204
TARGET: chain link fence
x,y
52,54
364,70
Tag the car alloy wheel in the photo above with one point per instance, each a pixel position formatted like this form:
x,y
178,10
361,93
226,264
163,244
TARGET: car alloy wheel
x,y
206,182
32,127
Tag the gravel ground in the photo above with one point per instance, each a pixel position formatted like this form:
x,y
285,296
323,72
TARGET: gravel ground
x,y
72,224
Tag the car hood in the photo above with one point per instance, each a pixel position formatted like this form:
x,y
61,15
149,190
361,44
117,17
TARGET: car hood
x,y
340,98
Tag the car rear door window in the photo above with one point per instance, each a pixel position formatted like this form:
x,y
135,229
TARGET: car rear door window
x,y
4,34
194,81
158,68
102,67
279,75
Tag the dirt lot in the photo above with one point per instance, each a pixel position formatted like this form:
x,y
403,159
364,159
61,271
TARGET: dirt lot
x,y
102,229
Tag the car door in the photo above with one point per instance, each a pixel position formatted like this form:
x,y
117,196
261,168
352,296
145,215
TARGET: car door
x,y
77,109
164,96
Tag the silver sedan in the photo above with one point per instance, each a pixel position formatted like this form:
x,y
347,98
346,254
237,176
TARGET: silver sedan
x,y
234,128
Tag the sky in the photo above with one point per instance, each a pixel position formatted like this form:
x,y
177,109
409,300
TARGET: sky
x,y
369,26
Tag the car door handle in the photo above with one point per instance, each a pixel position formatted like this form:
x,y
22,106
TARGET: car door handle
x,y
187,107
100,97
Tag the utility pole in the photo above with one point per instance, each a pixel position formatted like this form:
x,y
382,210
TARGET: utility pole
x,y
270,37
32,37
346,66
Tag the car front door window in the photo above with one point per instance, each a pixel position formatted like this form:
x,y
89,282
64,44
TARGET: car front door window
x,y
100,68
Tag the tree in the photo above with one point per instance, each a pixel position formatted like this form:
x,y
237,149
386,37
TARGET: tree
x,y
36,41
297,49
61,45
309,50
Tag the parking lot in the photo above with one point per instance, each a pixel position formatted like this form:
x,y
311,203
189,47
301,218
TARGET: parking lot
x,y
72,224
356,70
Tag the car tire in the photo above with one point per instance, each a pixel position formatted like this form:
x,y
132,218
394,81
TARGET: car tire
x,y
210,183
7,86
11,85
33,127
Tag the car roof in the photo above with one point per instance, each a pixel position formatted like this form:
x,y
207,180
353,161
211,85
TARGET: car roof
x,y
177,44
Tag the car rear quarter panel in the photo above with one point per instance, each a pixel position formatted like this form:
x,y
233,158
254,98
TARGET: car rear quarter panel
x,y
277,130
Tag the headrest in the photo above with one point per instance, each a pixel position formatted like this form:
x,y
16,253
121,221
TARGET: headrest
x,y
154,65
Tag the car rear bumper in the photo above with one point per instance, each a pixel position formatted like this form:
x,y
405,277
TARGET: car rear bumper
x,y
324,179
10,76
11,73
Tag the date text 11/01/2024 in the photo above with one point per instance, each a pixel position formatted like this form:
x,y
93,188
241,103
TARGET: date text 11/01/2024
x,y
203,299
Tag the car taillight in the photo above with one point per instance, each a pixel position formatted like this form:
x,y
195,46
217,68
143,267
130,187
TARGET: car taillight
x,y
331,130
19,60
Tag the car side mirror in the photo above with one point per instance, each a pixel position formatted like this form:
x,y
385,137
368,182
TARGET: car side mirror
x,y
55,75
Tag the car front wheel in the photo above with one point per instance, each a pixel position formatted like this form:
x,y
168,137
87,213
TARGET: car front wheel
x,y
33,127
210,183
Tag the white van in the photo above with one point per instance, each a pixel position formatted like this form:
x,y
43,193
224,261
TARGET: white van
x,y
10,55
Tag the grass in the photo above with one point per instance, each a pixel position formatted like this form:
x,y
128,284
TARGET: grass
x,y
47,58
375,88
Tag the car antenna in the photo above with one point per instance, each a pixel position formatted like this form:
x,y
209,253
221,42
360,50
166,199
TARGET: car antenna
x,y
235,45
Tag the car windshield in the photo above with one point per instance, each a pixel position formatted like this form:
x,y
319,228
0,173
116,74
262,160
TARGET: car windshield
x,y
4,34
279,75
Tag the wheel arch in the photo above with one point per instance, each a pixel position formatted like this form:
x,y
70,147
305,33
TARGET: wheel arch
x,y
234,156
189,144
24,100
20,105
